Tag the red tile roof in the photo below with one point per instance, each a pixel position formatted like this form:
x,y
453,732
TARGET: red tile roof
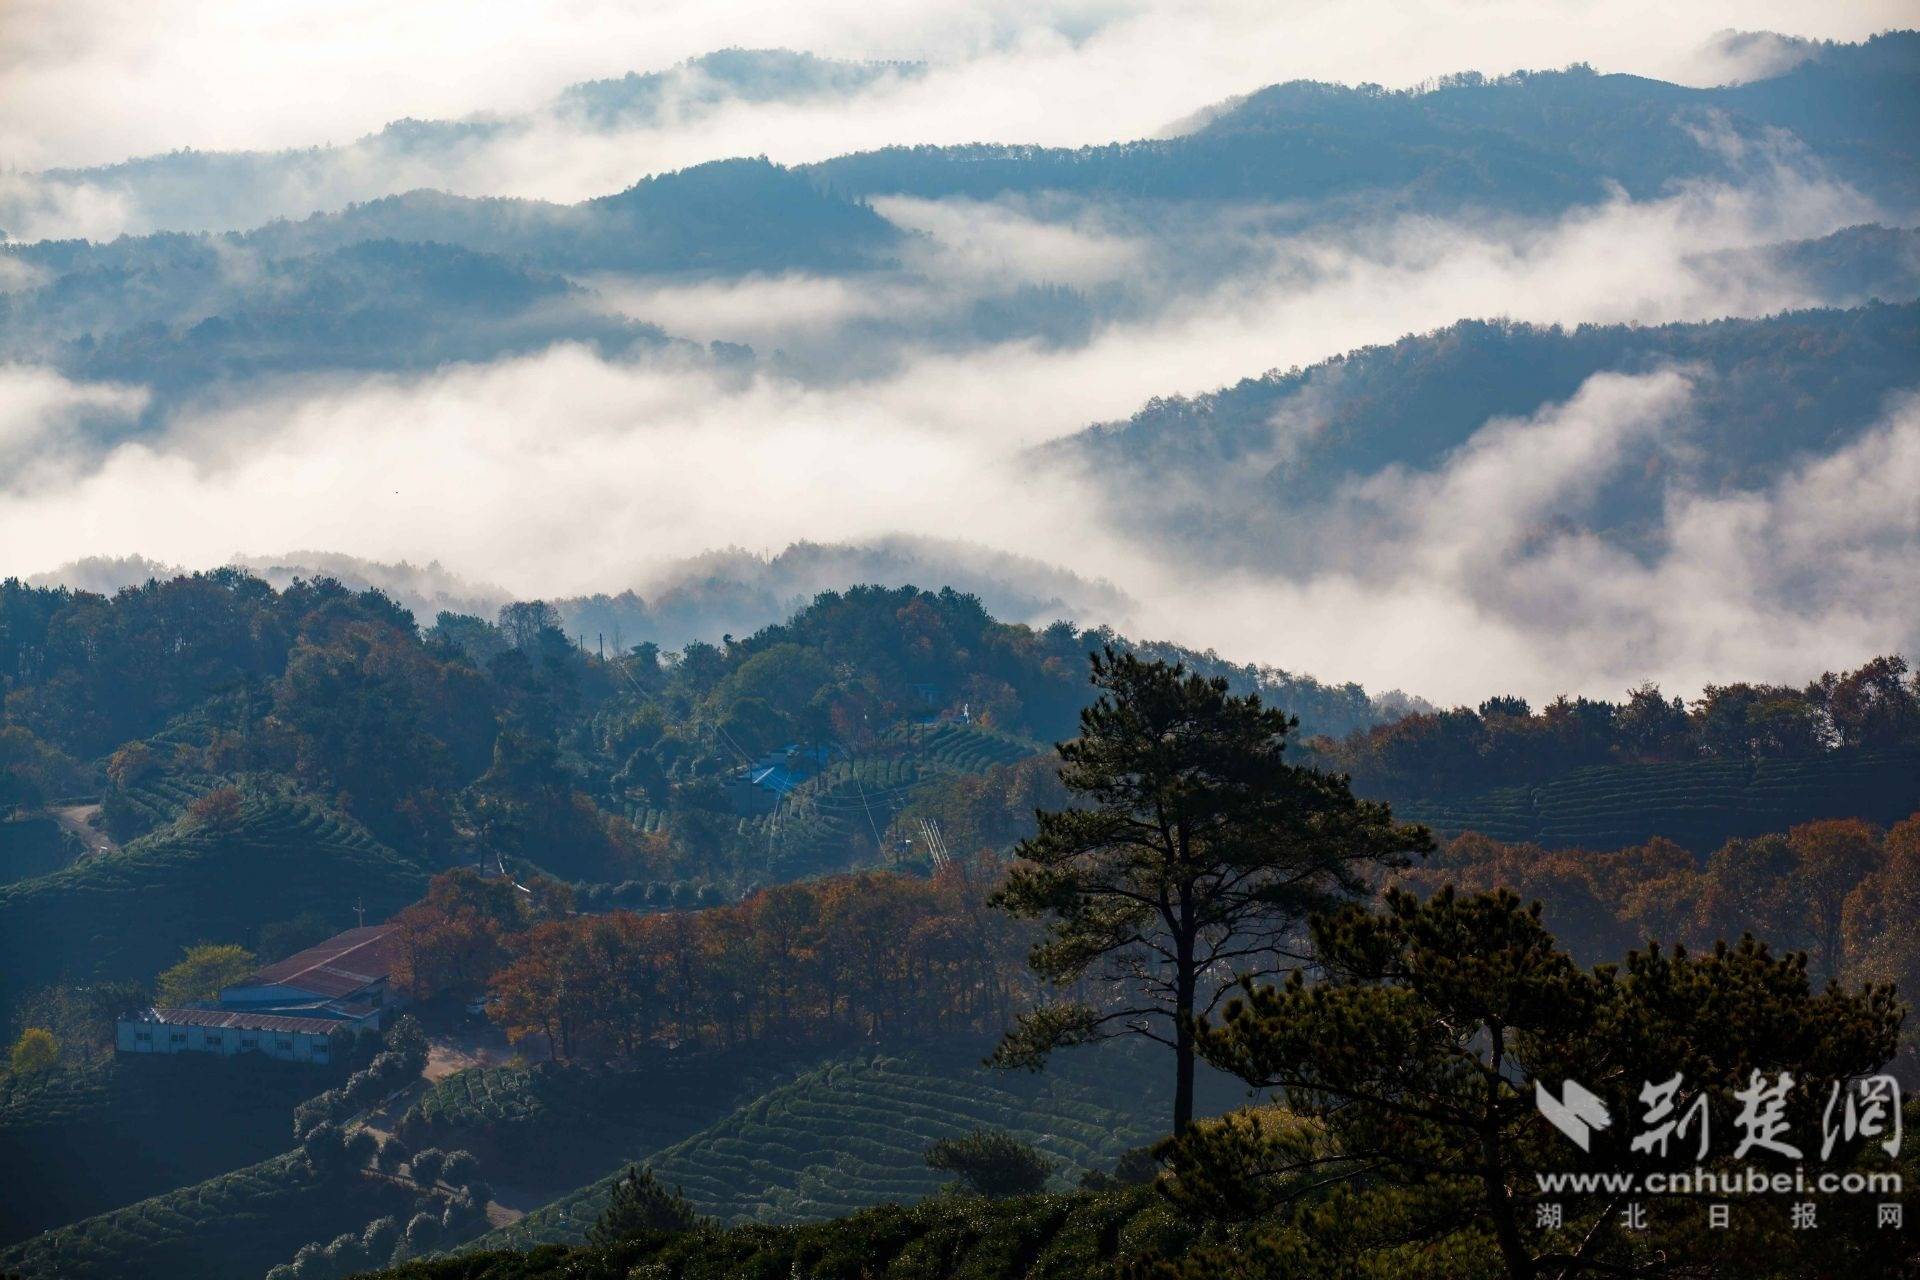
x,y
340,966
243,1021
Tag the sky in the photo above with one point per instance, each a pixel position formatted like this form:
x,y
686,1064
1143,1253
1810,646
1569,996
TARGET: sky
x,y
563,472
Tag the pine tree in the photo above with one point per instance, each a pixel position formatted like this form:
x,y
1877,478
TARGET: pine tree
x,y
639,1205
1409,1073
1194,853
991,1163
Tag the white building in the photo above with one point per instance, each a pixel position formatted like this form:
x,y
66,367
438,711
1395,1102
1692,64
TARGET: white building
x,y
225,1031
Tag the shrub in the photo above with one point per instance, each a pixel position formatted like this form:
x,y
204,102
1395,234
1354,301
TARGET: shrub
x,y
360,1147
460,1169
35,1050
422,1230
379,1238
426,1165
392,1154
218,811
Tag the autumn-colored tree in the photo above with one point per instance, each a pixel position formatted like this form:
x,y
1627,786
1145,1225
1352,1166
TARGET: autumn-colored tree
x,y
785,928
218,812
1881,919
35,1050
539,993
455,939
203,973
1873,706
878,952
1830,860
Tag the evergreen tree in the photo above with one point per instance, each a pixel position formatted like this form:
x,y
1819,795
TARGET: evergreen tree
x,y
1194,852
639,1205
1412,1074
991,1163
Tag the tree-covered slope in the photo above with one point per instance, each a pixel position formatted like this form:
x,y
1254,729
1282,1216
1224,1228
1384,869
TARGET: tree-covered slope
x,y
853,1133
1534,142
128,913
109,1132
1260,459
177,312
33,846
725,216
194,190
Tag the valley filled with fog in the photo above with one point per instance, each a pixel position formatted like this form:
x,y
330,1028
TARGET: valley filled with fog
x,y
1525,394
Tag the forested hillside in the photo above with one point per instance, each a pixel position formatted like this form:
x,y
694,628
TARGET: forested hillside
x,y
1269,458
200,190
1531,141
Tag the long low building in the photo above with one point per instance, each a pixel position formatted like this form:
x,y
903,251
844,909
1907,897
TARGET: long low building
x,y
322,1041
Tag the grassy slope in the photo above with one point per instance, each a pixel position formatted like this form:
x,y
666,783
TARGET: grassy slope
x,y
853,1133
233,1227
1055,1237
128,914
116,1131
1699,804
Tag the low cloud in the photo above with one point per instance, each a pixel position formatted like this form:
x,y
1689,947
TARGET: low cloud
x,y
92,82
44,415
567,473
1466,589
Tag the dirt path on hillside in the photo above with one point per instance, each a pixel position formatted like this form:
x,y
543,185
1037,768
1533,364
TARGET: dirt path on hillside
x,y
80,820
447,1053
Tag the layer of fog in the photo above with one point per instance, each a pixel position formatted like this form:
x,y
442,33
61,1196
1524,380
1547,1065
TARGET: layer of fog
x,y
1453,582
733,591
1182,300
1466,577
567,474
98,81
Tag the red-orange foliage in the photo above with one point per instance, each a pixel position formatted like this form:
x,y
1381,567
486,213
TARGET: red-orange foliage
x,y
853,955
1837,889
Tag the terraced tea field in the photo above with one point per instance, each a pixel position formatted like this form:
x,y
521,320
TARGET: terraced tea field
x,y
853,1133
851,802
548,1123
233,1227
946,1238
128,914
156,802
1698,804
111,1132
